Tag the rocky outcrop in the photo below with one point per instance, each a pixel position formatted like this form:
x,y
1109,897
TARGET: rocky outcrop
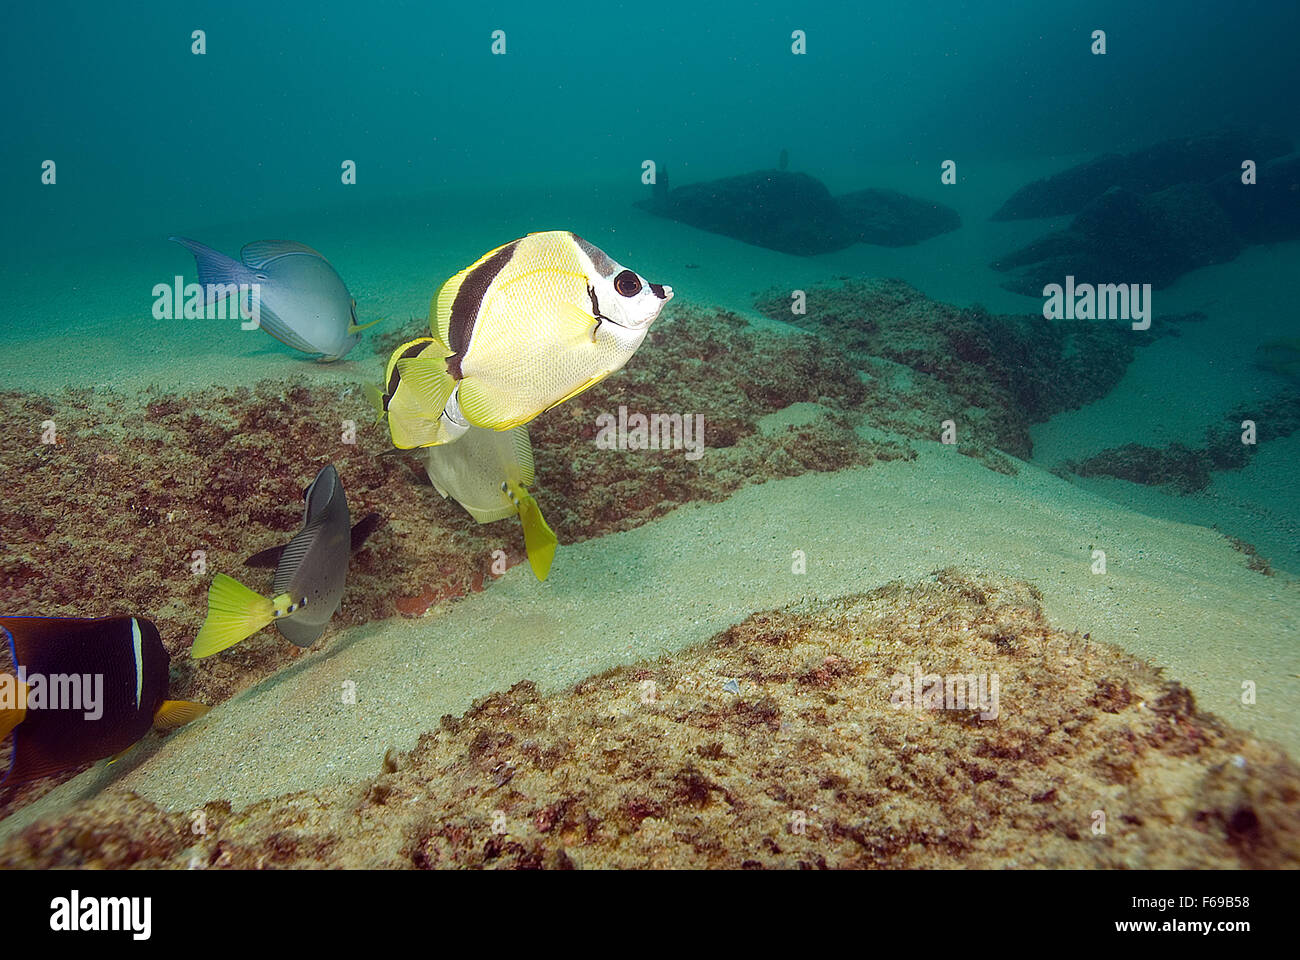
x,y
795,213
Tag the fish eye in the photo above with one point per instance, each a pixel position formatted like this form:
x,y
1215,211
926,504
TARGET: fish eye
x,y
627,283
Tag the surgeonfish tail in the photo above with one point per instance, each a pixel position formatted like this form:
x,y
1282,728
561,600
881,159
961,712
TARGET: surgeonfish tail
x,y
214,267
235,613
539,540
177,713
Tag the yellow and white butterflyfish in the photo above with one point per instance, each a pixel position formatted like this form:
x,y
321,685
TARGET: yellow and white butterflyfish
x,y
525,327
488,472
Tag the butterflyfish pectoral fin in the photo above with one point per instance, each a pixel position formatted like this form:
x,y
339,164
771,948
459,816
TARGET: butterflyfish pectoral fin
x,y
176,713
234,614
357,328
539,540
13,704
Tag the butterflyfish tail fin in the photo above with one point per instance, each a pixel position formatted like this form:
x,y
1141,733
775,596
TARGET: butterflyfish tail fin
x,y
235,613
177,713
539,540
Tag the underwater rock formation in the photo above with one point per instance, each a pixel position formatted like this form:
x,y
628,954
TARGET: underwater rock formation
x,y
888,218
787,741
993,374
162,482
1152,216
795,213
1184,160
1267,210
1187,469
1126,237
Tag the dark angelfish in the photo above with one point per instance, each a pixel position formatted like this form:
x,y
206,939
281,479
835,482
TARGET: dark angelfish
x,y
84,690
310,573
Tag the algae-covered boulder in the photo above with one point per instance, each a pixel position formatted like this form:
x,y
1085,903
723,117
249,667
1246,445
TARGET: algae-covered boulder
x,y
1201,159
888,218
1128,237
1267,210
790,212
795,213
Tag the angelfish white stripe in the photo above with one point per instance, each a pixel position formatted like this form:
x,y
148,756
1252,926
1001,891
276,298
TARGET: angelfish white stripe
x,y
139,667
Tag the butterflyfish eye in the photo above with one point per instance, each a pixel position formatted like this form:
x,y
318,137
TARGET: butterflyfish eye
x,y
627,283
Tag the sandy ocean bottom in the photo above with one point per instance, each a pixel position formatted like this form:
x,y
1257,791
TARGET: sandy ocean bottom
x,y
1175,590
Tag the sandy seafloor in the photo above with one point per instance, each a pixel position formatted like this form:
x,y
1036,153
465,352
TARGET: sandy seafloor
x,y
1175,590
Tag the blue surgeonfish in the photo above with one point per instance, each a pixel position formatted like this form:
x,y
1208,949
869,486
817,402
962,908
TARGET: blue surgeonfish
x,y
310,572
522,329
84,690
301,300
488,472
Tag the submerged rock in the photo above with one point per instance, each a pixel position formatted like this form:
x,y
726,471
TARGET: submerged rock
x,y
795,739
1202,159
795,213
789,212
1127,237
888,218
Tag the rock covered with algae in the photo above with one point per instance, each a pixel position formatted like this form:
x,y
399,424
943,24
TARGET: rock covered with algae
x,y
780,743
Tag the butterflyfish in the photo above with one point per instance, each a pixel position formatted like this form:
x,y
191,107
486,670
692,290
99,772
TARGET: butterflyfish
x,y
527,326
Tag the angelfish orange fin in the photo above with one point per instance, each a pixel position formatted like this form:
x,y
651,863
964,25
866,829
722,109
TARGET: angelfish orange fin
x,y
13,703
177,713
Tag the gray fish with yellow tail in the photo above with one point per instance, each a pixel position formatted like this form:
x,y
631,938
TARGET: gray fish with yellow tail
x,y
488,472
84,690
310,573
301,299
524,328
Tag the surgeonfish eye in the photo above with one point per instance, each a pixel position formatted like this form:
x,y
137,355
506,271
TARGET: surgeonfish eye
x,y
627,283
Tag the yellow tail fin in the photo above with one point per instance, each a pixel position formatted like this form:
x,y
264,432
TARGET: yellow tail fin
x,y
13,703
234,614
539,540
177,713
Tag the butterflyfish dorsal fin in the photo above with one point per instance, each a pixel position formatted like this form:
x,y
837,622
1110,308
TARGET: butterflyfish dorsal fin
x,y
449,299
176,713
234,614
